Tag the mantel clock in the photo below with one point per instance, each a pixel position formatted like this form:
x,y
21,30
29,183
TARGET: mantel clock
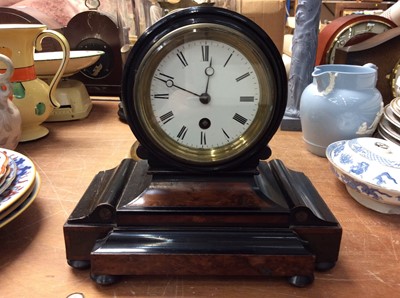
x,y
346,31
204,91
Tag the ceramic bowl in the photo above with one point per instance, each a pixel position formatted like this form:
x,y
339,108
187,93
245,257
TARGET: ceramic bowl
x,y
370,169
47,63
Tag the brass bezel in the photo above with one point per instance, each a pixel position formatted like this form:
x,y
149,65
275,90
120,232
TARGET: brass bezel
x,y
240,42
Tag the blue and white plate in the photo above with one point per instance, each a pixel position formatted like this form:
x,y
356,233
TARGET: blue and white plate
x,y
24,179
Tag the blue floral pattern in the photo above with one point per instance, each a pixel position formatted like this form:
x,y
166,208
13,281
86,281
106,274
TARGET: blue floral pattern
x,y
25,177
368,154
359,168
370,167
375,193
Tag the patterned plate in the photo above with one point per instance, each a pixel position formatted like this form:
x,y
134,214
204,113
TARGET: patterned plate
x,y
3,164
24,205
10,177
18,202
25,177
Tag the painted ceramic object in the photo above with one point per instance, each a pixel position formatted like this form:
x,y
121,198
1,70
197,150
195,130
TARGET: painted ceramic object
x,y
47,63
23,181
370,169
341,103
10,118
33,97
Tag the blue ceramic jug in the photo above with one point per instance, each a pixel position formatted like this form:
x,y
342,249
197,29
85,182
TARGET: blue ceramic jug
x,y
341,103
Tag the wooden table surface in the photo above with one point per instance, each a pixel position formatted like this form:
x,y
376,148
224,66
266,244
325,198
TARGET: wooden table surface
x,y
32,252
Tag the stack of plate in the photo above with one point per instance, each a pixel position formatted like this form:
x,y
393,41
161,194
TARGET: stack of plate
x,y
389,126
19,184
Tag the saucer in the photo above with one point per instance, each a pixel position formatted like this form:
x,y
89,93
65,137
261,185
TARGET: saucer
x,y
12,167
47,63
17,203
3,164
24,205
25,177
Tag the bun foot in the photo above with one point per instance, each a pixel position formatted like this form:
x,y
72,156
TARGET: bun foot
x,y
324,266
77,264
301,281
104,280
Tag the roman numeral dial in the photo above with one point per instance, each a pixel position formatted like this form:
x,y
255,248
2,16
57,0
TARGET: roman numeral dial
x,y
205,95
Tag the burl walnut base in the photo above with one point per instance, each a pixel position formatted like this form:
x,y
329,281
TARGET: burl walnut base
x,y
133,221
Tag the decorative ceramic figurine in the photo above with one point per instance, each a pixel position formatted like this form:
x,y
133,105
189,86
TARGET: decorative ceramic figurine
x,y
304,48
33,97
10,118
341,103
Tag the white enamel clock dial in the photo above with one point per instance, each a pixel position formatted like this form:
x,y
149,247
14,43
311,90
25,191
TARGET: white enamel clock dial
x,y
205,94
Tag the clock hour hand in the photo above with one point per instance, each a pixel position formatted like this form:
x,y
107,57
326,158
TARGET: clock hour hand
x,y
170,83
209,72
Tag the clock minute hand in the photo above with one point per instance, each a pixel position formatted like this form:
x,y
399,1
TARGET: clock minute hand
x,y
170,83
183,89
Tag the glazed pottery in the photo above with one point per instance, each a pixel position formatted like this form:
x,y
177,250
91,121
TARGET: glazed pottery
x,y
370,169
47,63
341,103
34,98
10,118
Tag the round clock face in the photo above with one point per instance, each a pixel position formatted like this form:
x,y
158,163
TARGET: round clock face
x,y
204,94
102,68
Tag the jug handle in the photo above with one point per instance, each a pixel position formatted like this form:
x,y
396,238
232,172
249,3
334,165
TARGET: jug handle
x,y
371,65
66,51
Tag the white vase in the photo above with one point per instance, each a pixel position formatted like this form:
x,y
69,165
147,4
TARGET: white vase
x,y
10,118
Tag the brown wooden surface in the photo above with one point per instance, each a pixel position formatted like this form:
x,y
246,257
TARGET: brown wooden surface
x,y
32,252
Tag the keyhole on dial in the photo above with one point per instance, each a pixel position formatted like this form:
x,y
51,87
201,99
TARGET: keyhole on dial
x,y
204,123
